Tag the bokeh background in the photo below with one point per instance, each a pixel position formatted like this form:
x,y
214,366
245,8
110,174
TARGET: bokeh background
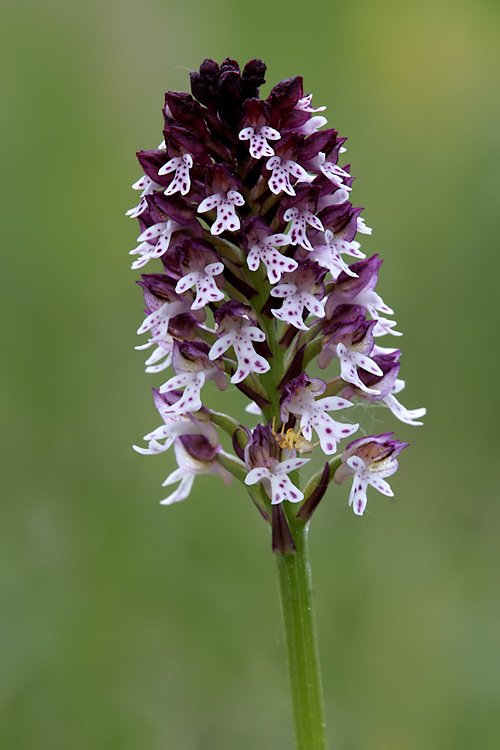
x,y
126,625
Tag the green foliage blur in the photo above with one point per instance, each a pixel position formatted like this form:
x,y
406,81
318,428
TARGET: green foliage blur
x,y
127,625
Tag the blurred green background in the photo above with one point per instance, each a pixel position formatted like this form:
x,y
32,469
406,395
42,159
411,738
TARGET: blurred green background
x,y
129,625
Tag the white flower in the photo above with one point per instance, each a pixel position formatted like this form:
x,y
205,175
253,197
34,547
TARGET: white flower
x,y
258,140
329,255
174,427
276,263
225,203
376,305
240,337
148,187
401,412
163,231
206,288
188,468
313,416
361,226
182,180
333,172
295,299
163,352
300,219
157,321
305,104
281,170
362,478
350,359
281,488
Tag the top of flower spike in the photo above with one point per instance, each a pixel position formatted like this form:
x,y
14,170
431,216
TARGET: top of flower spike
x,y
225,88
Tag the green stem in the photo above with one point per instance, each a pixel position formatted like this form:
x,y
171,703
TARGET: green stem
x,y
294,577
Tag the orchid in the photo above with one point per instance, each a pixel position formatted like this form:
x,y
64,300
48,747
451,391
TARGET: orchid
x,y
247,212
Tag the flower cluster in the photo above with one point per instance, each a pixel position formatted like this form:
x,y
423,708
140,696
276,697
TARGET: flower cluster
x,y
249,213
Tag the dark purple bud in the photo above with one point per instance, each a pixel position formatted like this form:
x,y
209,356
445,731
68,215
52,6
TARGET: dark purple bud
x,y
233,311
185,354
282,539
295,368
367,270
311,503
192,356
252,78
229,91
204,83
229,65
185,110
294,120
195,254
341,219
315,385
255,112
351,331
262,448
305,198
220,178
285,95
347,288
160,286
151,162
288,147
186,140
323,140
175,208
185,325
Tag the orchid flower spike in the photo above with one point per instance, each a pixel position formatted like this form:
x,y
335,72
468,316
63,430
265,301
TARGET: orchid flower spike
x,y
246,210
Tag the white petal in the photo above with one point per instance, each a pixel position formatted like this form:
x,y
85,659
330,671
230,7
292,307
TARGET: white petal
x,y
152,232
381,485
182,491
210,203
257,474
356,463
245,134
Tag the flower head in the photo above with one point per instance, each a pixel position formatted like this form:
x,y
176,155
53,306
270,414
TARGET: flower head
x,y
263,459
368,461
246,209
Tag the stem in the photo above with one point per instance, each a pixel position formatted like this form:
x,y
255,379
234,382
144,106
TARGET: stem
x,y
296,595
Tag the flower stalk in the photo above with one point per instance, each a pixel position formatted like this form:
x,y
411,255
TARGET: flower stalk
x,y
296,597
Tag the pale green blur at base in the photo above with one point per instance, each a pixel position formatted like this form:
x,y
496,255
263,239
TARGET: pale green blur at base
x,y
127,625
